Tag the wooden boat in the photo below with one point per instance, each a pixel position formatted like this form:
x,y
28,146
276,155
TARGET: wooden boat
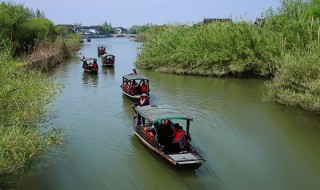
x,y
108,60
101,50
141,85
90,65
153,135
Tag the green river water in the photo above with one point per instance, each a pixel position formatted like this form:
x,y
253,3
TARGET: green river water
x,y
248,144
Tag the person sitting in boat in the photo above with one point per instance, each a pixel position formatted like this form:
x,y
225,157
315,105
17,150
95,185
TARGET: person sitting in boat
x,y
175,130
90,66
164,132
143,87
125,86
134,72
132,87
95,65
178,139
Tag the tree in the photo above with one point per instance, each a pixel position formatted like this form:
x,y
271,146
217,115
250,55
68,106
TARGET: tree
x,y
40,14
106,28
136,29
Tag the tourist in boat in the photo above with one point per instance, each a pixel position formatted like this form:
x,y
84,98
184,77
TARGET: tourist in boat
x,y
133,87
178,139
179,136
143,87
175,130
125,86
134,72
164,132
95,65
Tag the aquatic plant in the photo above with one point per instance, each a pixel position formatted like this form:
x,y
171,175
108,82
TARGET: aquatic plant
x,y
243,49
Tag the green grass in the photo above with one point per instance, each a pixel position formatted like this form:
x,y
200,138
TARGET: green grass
x,y
297,81
213,50
24,99
285,49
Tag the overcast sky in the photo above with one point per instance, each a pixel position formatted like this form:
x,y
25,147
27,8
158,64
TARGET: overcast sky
x,y
126,13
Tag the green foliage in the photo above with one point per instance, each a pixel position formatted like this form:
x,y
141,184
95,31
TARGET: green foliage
x,y
297,81
214,49
12,17
39,14
21,25
136,29
20,145
62,31
106,28
37,28
23,94
24,98
285,46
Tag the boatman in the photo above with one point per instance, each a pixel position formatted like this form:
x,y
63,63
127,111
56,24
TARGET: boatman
x,y
144,101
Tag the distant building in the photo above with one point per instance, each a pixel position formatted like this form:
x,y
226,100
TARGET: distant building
x,y
212,20
121,30
260,21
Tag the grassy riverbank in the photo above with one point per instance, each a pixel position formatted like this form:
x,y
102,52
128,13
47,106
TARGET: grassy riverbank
x,y
26,92
24,96
48,54
284,48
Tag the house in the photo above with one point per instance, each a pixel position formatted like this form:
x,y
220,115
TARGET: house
x,y
121,30
212,20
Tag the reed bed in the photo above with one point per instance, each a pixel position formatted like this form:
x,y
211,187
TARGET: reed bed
x,y
297,81
217,49
285,49
24,99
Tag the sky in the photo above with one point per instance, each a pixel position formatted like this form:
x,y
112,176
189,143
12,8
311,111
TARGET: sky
x,y
127,13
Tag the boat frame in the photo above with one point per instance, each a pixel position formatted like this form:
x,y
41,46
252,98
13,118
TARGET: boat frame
x,y
138,79
91,70
106,62
101,50
152,117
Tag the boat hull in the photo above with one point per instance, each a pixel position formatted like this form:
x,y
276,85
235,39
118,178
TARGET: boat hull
x,y
93,71
133,97
108,65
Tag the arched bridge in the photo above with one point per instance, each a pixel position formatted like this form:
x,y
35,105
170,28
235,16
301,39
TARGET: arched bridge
x,y
125,35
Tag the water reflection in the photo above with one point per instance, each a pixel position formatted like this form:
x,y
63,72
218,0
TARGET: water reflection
x,y
108,71
90,79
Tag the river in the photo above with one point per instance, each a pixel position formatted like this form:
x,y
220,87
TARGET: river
x,y
247,143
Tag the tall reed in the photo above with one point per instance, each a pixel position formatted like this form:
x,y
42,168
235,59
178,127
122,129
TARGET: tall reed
x,y
24,98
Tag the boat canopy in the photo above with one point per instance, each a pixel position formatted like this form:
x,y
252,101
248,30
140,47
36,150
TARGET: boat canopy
x,y
107,55
158,113
88,59
135,77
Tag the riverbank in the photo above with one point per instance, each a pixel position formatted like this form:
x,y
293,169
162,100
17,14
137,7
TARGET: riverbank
x,y
242,49
47,55
25,94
